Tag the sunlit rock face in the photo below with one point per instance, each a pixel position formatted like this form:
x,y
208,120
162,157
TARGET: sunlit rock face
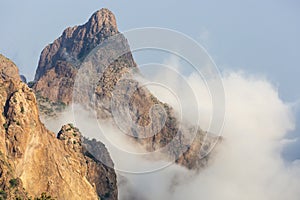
x,y
33,160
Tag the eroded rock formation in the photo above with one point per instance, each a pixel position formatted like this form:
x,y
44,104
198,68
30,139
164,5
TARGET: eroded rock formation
x,y
70,56
59,61
34,160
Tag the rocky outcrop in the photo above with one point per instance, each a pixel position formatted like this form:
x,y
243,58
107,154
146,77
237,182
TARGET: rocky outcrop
x,y
96,154
59,61
8,69
100,176
96,50
76,42
33,161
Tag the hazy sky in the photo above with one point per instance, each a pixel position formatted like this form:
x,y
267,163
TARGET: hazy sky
x,y
260,37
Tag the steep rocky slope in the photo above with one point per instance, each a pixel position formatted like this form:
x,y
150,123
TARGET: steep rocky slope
x,y
62,62
33,160
59,61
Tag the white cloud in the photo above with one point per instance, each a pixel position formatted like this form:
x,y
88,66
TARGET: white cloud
x,y
247,164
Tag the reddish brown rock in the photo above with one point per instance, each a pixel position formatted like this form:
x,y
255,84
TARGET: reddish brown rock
x,y
63,61
59,61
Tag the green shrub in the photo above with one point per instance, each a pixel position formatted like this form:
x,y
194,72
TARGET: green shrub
x,y
3,194
107,195
44,196
22,110
13,182
5,125
30,84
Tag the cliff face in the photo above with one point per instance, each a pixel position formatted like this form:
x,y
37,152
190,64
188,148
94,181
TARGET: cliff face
x,y
61,62
33,160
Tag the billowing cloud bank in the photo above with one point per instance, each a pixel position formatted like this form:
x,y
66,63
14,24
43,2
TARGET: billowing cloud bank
x,y
247,164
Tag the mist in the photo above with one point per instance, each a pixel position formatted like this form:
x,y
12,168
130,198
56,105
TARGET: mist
x,y
247,164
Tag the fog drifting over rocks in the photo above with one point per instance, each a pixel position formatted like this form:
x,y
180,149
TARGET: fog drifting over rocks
x,y
247,164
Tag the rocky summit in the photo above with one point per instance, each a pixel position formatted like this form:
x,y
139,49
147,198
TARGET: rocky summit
x,y
81,48
59,61
35,162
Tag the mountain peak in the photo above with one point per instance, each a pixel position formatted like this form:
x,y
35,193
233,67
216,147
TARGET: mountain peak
x,y
76,42
58,71
103,17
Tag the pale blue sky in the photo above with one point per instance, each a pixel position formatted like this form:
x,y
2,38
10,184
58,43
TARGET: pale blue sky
x,y
260,37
